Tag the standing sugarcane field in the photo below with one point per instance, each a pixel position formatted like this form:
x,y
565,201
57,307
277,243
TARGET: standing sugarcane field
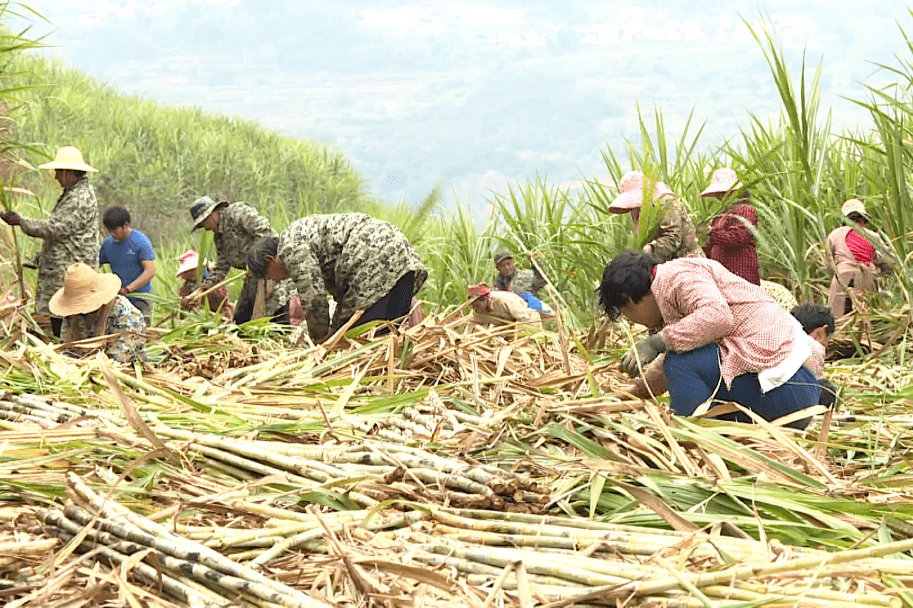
x,y
441,459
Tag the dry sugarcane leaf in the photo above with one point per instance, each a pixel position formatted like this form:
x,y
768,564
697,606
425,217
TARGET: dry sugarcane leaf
x,y
132,416
671,517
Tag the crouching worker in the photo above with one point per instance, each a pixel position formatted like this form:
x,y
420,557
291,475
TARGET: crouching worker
x,y
217,298
364,263
499,308
723,338
819,323
91,308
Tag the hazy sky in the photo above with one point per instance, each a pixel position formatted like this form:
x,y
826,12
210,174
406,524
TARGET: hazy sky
x,y
478,95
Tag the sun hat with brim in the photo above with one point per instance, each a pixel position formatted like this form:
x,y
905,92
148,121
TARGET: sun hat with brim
x,y
478,291
84,290
200,210
854,205
631,192
722,181
68,157
189,260
503,255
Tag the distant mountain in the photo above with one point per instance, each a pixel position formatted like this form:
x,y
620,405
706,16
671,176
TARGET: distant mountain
x,y
475,96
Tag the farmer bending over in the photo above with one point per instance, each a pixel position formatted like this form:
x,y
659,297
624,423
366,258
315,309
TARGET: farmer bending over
x,y
499,308
723,338
236,228
91,307
364,263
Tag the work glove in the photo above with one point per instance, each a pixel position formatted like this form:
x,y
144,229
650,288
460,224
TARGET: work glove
x,y
828,395
646,351
11,217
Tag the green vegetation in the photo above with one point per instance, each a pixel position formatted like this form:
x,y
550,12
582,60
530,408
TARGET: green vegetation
x,y
155,160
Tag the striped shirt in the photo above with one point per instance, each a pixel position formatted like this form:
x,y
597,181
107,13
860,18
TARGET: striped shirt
x,y
702,302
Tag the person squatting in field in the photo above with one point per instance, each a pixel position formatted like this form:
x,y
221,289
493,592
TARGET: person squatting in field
x,y
818,323
69,234
218,301
718,337
236,228
363,263
90,306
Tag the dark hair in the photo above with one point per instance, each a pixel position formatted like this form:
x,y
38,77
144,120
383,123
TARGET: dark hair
x,y
256,259
813,316
115,217
627,278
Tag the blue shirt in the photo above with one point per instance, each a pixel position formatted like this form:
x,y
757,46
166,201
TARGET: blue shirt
x,y
126,258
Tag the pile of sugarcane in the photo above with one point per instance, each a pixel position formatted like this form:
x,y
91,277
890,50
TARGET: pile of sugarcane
x,y
475,555
499,472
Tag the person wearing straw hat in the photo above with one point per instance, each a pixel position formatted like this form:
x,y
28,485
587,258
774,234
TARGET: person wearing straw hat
x,y
69,234
672,231
855,256
236,228
91,307
366,264
722,338
499,308
731,240
189,262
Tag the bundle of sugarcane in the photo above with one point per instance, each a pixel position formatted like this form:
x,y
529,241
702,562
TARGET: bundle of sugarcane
x,y
186,570
373,472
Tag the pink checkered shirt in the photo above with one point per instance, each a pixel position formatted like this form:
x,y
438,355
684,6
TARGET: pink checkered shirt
x,y
702,302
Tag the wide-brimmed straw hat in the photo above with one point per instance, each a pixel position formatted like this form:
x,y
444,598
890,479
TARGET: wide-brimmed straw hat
x,y
84,290
478,291
200,210
722,181
68,157
631,192
189,260
503,255
854,205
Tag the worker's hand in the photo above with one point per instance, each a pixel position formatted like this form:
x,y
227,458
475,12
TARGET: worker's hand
x,y
123,291
646,351
192,297
11,217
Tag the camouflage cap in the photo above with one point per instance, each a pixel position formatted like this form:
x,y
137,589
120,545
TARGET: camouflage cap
x,y
200,210
503,255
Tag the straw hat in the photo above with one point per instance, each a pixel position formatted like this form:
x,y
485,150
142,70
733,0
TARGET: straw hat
x,y
721,182
200,210
189,260
68,157
84,290
854,205
631,195
503,255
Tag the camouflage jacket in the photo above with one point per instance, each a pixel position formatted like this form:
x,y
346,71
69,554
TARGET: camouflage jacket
x,y
240,227
354,257
70,235
674,237
521,281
